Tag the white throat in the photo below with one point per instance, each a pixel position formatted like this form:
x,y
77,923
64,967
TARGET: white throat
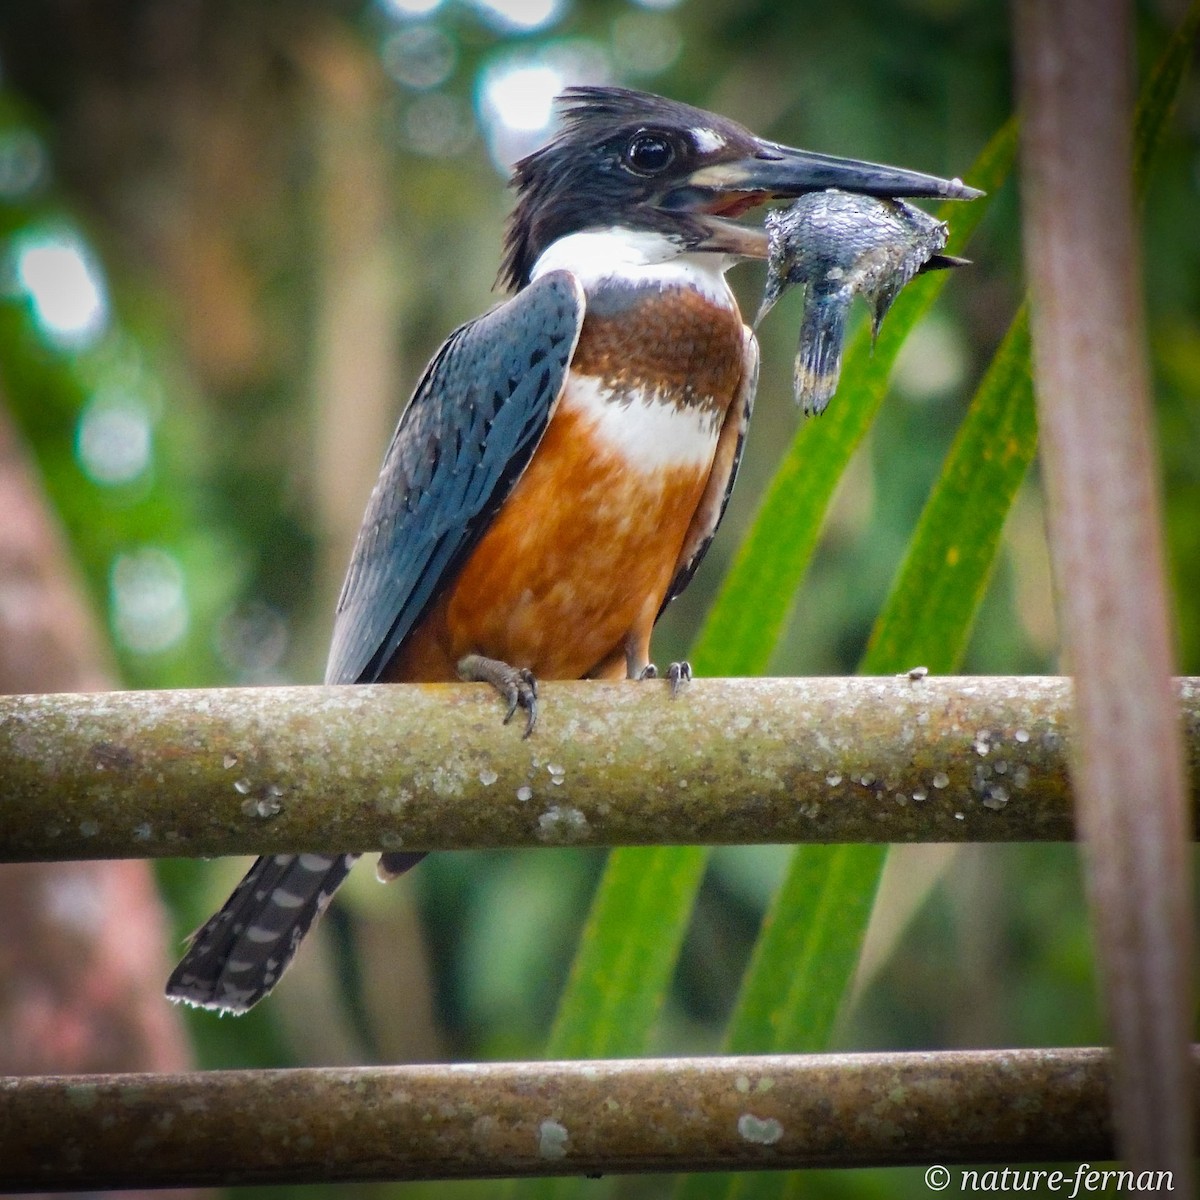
x,y
637,256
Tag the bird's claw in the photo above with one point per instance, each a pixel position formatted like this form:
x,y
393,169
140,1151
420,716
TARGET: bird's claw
x,y
678,674
521,692
517,685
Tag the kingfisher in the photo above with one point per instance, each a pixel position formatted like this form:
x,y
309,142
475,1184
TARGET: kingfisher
x,y
565,459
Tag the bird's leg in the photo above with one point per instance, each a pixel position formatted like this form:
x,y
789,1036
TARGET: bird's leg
x,y
516,684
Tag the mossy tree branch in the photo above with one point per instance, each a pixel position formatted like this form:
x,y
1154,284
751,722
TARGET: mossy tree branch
x,y
431,767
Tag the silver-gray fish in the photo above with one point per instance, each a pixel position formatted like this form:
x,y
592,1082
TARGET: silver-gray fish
x,y
839,245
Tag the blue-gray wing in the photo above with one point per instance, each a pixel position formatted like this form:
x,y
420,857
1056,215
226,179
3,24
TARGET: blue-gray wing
x,y
462,443
721,479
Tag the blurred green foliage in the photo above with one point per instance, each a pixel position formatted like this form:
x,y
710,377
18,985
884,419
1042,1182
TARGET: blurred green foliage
x,y
270,216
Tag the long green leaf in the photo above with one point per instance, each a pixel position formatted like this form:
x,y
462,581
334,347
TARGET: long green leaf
x,y
794,983
806,952
1159,95
621,972
607,1017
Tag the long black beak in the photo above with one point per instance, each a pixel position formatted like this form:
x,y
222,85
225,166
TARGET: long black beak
x,y
781,173
719,191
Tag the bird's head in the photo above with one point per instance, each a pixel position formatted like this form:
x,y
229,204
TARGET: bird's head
x,y
634,161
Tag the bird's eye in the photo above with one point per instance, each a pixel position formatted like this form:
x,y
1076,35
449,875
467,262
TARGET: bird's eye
x,y
649,153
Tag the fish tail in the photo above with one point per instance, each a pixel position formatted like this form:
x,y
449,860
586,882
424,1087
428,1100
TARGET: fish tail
x,y
819,358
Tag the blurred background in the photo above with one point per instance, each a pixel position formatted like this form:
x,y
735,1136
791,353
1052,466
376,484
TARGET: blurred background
x,y
231,234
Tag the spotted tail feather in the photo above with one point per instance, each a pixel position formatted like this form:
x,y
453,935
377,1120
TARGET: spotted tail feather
x,y
237,956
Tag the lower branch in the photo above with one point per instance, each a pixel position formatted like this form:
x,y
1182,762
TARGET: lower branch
x,y
554,1118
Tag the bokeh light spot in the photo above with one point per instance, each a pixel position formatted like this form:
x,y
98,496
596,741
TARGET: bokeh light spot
x,y
436,125
64,283
933,362
409,8
149,600
516,107
113,440
522,98
419,56
252,640
520,15
645,43
23,163
516,94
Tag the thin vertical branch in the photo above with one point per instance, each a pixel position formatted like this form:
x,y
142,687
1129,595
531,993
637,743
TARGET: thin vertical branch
x,y
1074,66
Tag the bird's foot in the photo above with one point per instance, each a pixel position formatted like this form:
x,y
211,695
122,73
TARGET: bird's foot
x,y
516,685
678,674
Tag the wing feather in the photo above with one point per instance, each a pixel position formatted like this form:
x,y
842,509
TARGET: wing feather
x,y
461,444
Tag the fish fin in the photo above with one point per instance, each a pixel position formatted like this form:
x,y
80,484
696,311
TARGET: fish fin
x,y
880,304
942,262
771,294
886,296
